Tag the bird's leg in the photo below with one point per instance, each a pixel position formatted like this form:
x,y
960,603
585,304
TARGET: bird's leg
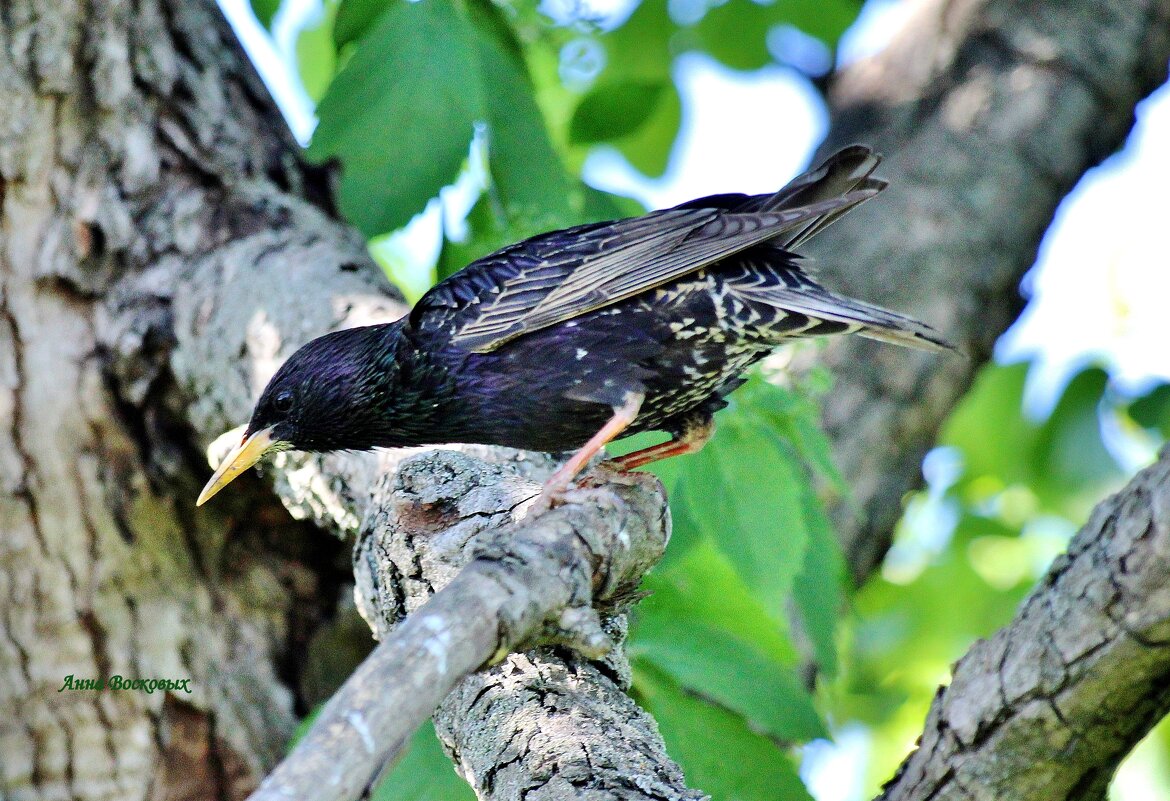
x,y
695,434
622,417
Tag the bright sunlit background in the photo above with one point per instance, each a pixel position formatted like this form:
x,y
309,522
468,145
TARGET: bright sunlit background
x,y
1097,294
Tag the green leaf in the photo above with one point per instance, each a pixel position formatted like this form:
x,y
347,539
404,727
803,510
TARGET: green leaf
x,y
701,584
909,634
796,416
649,148
600,206
1152,410
712,663
743,491
530,191
819,590
736,32
1070,457
749,496
529,181
316,56
639,49
424,774
614,110
636,106
1063,461
827,20
400,114
265,10
356,17
687,531
717,750
989,427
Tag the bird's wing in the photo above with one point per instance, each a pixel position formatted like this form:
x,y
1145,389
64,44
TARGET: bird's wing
x,y
552,278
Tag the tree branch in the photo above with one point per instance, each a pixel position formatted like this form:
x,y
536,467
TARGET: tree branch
x,y
512,581
545,723
1047,707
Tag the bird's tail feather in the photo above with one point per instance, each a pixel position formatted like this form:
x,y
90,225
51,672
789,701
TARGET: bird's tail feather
x,y
848,170
864,319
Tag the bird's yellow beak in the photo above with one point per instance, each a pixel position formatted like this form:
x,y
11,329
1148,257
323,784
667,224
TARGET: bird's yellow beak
x,y
242,456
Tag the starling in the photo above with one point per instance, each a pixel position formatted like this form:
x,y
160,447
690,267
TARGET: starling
x,y
570,339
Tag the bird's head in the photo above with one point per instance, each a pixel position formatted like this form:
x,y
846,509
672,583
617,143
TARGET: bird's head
x,y
334,393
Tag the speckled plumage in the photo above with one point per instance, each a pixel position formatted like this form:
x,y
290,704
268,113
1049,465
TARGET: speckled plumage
x,y
535,346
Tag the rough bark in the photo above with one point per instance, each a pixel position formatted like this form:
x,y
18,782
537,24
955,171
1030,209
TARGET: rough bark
x,y
989,112
452,543
543,724
1048,707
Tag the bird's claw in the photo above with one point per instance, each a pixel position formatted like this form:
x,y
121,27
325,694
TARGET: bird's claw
x,y
557,492
553,496
612,472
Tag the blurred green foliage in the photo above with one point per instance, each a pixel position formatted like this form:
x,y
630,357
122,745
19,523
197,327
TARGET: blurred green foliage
x,y
423,774
750,638
1007,491
265,11
1152,410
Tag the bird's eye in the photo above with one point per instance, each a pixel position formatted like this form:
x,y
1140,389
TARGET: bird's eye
x,y
282,401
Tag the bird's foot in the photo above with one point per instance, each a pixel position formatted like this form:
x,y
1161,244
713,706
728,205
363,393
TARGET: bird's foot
x,y
613,471
553,495
557,492
556,489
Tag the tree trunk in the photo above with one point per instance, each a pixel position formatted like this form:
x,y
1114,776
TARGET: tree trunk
x,y
135,138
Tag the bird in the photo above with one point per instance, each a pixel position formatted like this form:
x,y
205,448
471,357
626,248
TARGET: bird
x,y
570,339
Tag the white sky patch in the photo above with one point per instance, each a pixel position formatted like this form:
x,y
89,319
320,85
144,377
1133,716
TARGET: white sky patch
x,y
277,66
1102,279
741,132
873,29
834,771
